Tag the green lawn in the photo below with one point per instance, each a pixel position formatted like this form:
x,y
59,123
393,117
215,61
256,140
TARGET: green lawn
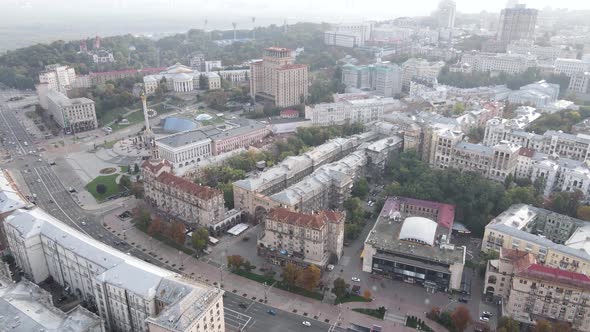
x,y
371,312
110,184
135,117
111,115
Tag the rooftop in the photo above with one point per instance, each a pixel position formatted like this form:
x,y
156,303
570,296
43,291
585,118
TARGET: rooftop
x,y
231,128
446,212
189,187
315,221
389,232
10,198
25,307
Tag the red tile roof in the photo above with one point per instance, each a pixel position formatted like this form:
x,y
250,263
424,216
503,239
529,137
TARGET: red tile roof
x,y
446,212
526,152
316,221
155,166
187,186
556,275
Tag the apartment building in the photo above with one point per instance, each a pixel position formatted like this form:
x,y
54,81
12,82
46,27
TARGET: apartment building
x,y
189,149
252,192
410,241
28,307
74,115
181,198
554,239
278,79
129,294
580,83
415,67
543,53
58,77
11,199
302,239
498,62
349,111
532,291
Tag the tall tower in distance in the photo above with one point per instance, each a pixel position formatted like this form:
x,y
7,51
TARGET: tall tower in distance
x,y
96,43
446,14
517,23
148,135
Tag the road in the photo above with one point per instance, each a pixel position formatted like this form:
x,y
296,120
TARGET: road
x,y
255,317
53,197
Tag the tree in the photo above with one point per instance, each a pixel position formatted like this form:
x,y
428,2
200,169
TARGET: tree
x,y
459,108
247,266
203,84
124,182
291,273
200,238
461,318
177,232
360,189
507,324
235,262
142,218
310,277
155,226
542,325
136,168
367,294
583,212
128,169
340,288
101,188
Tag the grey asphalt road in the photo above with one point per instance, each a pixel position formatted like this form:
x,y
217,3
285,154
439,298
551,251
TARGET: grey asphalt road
x,y
255,317
53,197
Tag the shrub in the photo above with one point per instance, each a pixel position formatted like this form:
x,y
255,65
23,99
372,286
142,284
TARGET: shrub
x,y
101,188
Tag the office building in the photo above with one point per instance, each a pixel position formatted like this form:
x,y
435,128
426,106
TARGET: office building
x,y
128,293
348,34
580,83
384,79
73,115
197,61
302,239
278,79
531,291
446,14
235,76
410,241
572,67
27,307
180,198
517,23
58,77
539,94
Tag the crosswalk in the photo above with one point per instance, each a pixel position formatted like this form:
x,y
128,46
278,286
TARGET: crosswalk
x,y
235,320
396,318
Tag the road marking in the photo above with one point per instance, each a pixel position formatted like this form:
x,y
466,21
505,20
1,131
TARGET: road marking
x,y
64,212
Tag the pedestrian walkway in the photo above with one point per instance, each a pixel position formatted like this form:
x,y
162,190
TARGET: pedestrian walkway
x,y
395,318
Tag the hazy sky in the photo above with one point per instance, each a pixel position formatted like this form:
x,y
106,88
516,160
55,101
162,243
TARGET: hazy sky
x,y
295,9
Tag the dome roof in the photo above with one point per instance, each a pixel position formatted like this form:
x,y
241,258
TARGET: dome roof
x,y
203,117
418,229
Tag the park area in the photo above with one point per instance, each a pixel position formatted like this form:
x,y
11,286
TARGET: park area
x,y
104,187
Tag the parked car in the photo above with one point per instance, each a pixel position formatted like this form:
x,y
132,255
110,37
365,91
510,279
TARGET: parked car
x,y
271,312
306,323
243,305
356,279
463,300
484,319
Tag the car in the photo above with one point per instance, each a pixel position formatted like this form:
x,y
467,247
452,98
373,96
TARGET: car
x,y
463,300
484,319
330,267
83,223
39,180
487,314
355,279
306,323
52,163
243,305
271,312
72,190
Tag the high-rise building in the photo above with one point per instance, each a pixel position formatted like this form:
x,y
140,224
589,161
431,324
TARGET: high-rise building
x,y
75,114
58,77
277,78
517,23
384,79
446,13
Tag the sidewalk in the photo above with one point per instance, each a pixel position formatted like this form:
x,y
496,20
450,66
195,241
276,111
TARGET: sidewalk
x,y
280,299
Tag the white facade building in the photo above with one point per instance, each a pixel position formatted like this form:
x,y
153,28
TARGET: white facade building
x,y
348,35
130,294
571,67
73,115
414,67
499,62
350,111
58,77
235,76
